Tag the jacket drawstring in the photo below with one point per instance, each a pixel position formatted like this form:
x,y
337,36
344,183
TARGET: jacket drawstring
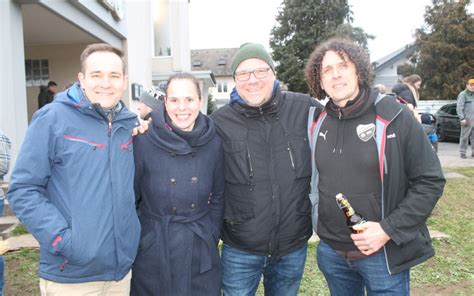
x,y
337,134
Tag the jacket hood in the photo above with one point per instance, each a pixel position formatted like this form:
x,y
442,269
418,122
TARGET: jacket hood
x,y
168,138
236,98
74,95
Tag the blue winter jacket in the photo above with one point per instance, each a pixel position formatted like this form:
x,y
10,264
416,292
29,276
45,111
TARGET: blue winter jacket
x,y
72,187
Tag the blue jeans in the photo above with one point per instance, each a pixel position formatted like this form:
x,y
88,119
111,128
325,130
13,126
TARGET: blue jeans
x,y
352,277
242,272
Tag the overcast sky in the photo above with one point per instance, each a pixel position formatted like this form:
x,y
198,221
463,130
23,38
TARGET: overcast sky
x,y
229,23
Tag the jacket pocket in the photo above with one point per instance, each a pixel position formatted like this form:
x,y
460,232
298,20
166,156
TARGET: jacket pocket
x,y
366,205
147,237
299,153
237,168
363,204
239,205
75,251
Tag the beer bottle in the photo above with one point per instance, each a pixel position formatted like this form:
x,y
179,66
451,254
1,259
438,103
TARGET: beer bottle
x,y
352,217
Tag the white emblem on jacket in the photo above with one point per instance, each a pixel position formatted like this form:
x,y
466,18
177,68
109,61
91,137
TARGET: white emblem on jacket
x,y
366,131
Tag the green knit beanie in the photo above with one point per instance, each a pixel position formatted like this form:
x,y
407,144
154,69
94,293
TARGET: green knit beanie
x,y
249,51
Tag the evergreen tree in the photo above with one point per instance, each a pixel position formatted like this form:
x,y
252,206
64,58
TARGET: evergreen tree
x,y
211,104
445,57
301,25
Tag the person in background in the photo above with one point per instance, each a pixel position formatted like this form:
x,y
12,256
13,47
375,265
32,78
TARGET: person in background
x,y
465,110
5,146
179,187
47,93
149,100
370,148
380,88
72,185
414,84
267,179
408,91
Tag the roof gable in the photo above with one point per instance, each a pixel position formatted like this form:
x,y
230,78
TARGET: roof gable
x,y
400,54
217,60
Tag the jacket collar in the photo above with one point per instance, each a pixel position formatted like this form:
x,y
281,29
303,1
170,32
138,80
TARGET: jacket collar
x,y
75,97
163,134
354,108
267,109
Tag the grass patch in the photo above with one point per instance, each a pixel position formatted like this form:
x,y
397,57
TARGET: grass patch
x,y
21,276
450,272
20,229
453,264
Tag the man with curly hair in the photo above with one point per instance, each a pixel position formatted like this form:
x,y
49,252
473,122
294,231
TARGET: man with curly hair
x,y
369,147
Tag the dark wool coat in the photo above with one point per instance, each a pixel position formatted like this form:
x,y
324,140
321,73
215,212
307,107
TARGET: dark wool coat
x,y
179,188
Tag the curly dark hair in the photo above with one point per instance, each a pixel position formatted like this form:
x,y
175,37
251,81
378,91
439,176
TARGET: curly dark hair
x,y
347,50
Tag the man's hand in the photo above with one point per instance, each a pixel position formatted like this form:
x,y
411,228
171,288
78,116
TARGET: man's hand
x,y
464,122
371,239
142,128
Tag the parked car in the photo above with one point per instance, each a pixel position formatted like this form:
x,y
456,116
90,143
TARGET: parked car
x,y
448,126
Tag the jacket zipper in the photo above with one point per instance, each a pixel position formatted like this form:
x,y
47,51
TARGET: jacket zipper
x,y
291,157
110,117
61,267
251,175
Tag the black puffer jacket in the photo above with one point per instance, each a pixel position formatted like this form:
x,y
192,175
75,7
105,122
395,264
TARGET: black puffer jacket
x,y
267,174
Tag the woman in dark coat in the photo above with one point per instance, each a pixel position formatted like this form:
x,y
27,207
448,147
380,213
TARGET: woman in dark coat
x,y
179,184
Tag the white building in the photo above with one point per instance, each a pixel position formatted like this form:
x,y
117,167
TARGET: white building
x,y
385,69
42,40
218,61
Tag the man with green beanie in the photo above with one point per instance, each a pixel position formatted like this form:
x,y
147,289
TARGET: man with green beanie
x,y
465,109
267,173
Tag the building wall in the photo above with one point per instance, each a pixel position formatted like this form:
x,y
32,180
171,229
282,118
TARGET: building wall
x,y
13,115
172,30
64,65
18,102
139,46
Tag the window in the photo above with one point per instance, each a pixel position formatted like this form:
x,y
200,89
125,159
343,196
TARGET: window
x,y
197,63
222,86
221,62
162,27
452,110
36,72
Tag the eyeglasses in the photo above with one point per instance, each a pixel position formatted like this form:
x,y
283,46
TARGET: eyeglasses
x,y
258,73
340,68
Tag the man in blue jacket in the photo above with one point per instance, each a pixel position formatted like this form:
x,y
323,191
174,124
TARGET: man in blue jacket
x,y
72,185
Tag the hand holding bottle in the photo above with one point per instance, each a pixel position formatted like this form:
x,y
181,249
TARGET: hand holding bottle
x,y
371,239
